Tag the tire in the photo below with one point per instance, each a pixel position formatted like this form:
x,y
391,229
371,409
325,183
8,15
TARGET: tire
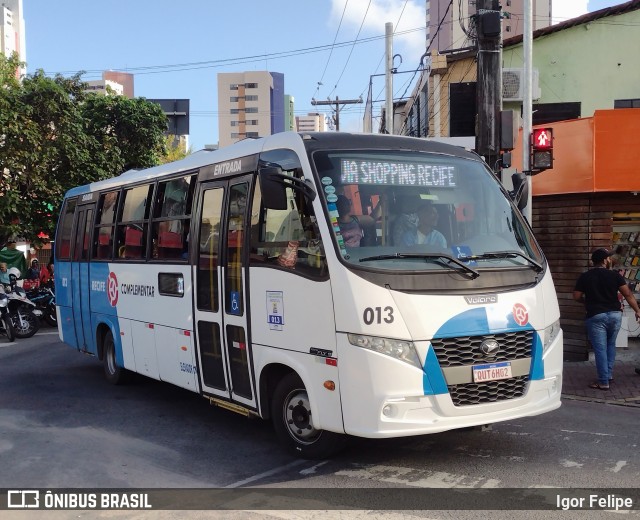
x,y
30,324
291,416
8,328
49,314
115,374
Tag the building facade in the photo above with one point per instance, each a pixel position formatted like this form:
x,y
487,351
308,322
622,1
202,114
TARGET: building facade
x,y
123,78
12,37
455,31
311,123
104,87
250,105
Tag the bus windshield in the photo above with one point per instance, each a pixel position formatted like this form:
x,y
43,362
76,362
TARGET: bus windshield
x,y
410,210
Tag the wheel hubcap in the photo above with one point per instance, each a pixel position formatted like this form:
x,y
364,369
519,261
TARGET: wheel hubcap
x,y
298,417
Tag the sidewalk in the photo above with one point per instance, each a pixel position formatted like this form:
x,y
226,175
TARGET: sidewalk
x,y
624,390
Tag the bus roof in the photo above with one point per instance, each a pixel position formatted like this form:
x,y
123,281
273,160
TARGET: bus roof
x,y
312,141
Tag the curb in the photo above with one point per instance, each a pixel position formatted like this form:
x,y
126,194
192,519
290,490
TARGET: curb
x,y
633,402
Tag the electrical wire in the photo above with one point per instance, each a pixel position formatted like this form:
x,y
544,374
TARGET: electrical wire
x,y
346,3
352,47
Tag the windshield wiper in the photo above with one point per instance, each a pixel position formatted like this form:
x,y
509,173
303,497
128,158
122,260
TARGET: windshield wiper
x,y
505,254
437,257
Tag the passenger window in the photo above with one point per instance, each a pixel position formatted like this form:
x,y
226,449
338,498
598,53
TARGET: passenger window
x,y
63,239
172,219
132,226
287,238
103,238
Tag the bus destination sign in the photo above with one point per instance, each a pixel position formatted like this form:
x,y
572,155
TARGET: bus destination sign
x,y
363,171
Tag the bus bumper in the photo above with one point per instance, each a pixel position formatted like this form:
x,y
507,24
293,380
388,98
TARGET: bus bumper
x,y
394,406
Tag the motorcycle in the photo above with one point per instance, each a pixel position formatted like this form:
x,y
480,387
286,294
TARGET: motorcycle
x,y
24,315
6,326
45,301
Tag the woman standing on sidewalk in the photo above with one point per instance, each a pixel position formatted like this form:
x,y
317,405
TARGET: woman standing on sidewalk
x,y
598,289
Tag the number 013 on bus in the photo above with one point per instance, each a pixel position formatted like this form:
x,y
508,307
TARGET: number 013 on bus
x,y
337,284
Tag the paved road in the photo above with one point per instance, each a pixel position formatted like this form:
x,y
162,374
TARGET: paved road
x,y
63,426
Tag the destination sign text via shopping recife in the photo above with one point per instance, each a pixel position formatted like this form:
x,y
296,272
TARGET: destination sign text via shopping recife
x,y
363,171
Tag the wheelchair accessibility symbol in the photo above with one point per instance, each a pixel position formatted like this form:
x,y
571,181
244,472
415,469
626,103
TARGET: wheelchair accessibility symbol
x,y
235,303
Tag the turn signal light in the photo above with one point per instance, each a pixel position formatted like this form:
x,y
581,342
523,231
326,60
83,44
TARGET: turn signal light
x,y
330,385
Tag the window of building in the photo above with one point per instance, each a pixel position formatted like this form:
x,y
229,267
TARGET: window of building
x,y
235,99
132,228
250,85
237,110
103,237
290,238
252,134
233,86
252,110
544,113
626,103
172,219
251,98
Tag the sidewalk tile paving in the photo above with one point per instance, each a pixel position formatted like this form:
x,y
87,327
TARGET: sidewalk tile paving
x,y
624,390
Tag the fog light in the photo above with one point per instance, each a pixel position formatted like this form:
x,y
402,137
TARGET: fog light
x,y
387,411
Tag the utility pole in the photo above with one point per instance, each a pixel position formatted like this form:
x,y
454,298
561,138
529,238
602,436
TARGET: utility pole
x,y
338,106
489,83
388,39
527,99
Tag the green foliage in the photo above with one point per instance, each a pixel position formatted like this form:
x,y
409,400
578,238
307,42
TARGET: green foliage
x,y
175,150
54,136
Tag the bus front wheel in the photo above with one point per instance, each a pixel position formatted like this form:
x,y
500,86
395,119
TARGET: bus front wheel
x,y
115,374
291,416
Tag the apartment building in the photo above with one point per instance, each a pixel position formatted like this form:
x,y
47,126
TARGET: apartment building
x,y
12,37
311,123
250,104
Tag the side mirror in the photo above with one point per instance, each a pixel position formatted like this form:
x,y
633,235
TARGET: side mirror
x,y
272,188
520,193
273,184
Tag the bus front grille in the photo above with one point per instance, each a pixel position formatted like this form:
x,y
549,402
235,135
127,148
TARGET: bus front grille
x,y
489,392
465,350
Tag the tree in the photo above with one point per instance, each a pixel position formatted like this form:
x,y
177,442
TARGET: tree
x,y
55,136
175,150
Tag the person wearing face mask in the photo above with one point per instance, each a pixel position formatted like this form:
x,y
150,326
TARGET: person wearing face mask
x,y
405,226
598,289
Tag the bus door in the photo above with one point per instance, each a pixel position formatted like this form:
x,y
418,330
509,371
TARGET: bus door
x,y
221,310
80,276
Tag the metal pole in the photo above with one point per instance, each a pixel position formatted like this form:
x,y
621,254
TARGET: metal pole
x,y
388,31
527,48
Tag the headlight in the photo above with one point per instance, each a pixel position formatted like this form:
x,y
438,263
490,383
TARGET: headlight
x,y
396,348
550,333
3,300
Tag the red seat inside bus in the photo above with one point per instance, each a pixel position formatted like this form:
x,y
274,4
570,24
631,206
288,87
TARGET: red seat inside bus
x,y
169,244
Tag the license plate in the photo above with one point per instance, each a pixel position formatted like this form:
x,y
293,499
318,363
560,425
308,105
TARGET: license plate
x,y
491,372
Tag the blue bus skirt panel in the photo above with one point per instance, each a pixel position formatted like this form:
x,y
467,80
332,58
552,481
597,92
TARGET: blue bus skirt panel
x,y
459,325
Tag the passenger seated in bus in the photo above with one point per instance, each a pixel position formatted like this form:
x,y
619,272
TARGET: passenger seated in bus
x,y
426,233
350,228
405,227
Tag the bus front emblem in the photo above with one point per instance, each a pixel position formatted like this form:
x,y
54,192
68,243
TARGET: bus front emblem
x,y
489,347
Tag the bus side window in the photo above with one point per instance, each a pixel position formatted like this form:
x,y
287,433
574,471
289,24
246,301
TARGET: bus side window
x,y
172,218
287,238
63,238
103,245
132,226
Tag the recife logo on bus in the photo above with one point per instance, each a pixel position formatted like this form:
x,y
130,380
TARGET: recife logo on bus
x,y
112,289
520,314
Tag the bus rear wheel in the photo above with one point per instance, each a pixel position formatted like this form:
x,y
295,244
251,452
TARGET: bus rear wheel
x,y
291,416
115,374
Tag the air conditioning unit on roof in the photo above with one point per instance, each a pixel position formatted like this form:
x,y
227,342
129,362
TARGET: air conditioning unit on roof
x,y
513,84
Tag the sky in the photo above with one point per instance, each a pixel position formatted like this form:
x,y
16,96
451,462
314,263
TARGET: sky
x,y
324,48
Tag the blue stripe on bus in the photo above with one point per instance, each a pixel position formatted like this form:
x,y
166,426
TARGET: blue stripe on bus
x,y
433,380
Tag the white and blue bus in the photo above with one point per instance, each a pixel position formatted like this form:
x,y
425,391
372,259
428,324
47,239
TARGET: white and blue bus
x,y
338,284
